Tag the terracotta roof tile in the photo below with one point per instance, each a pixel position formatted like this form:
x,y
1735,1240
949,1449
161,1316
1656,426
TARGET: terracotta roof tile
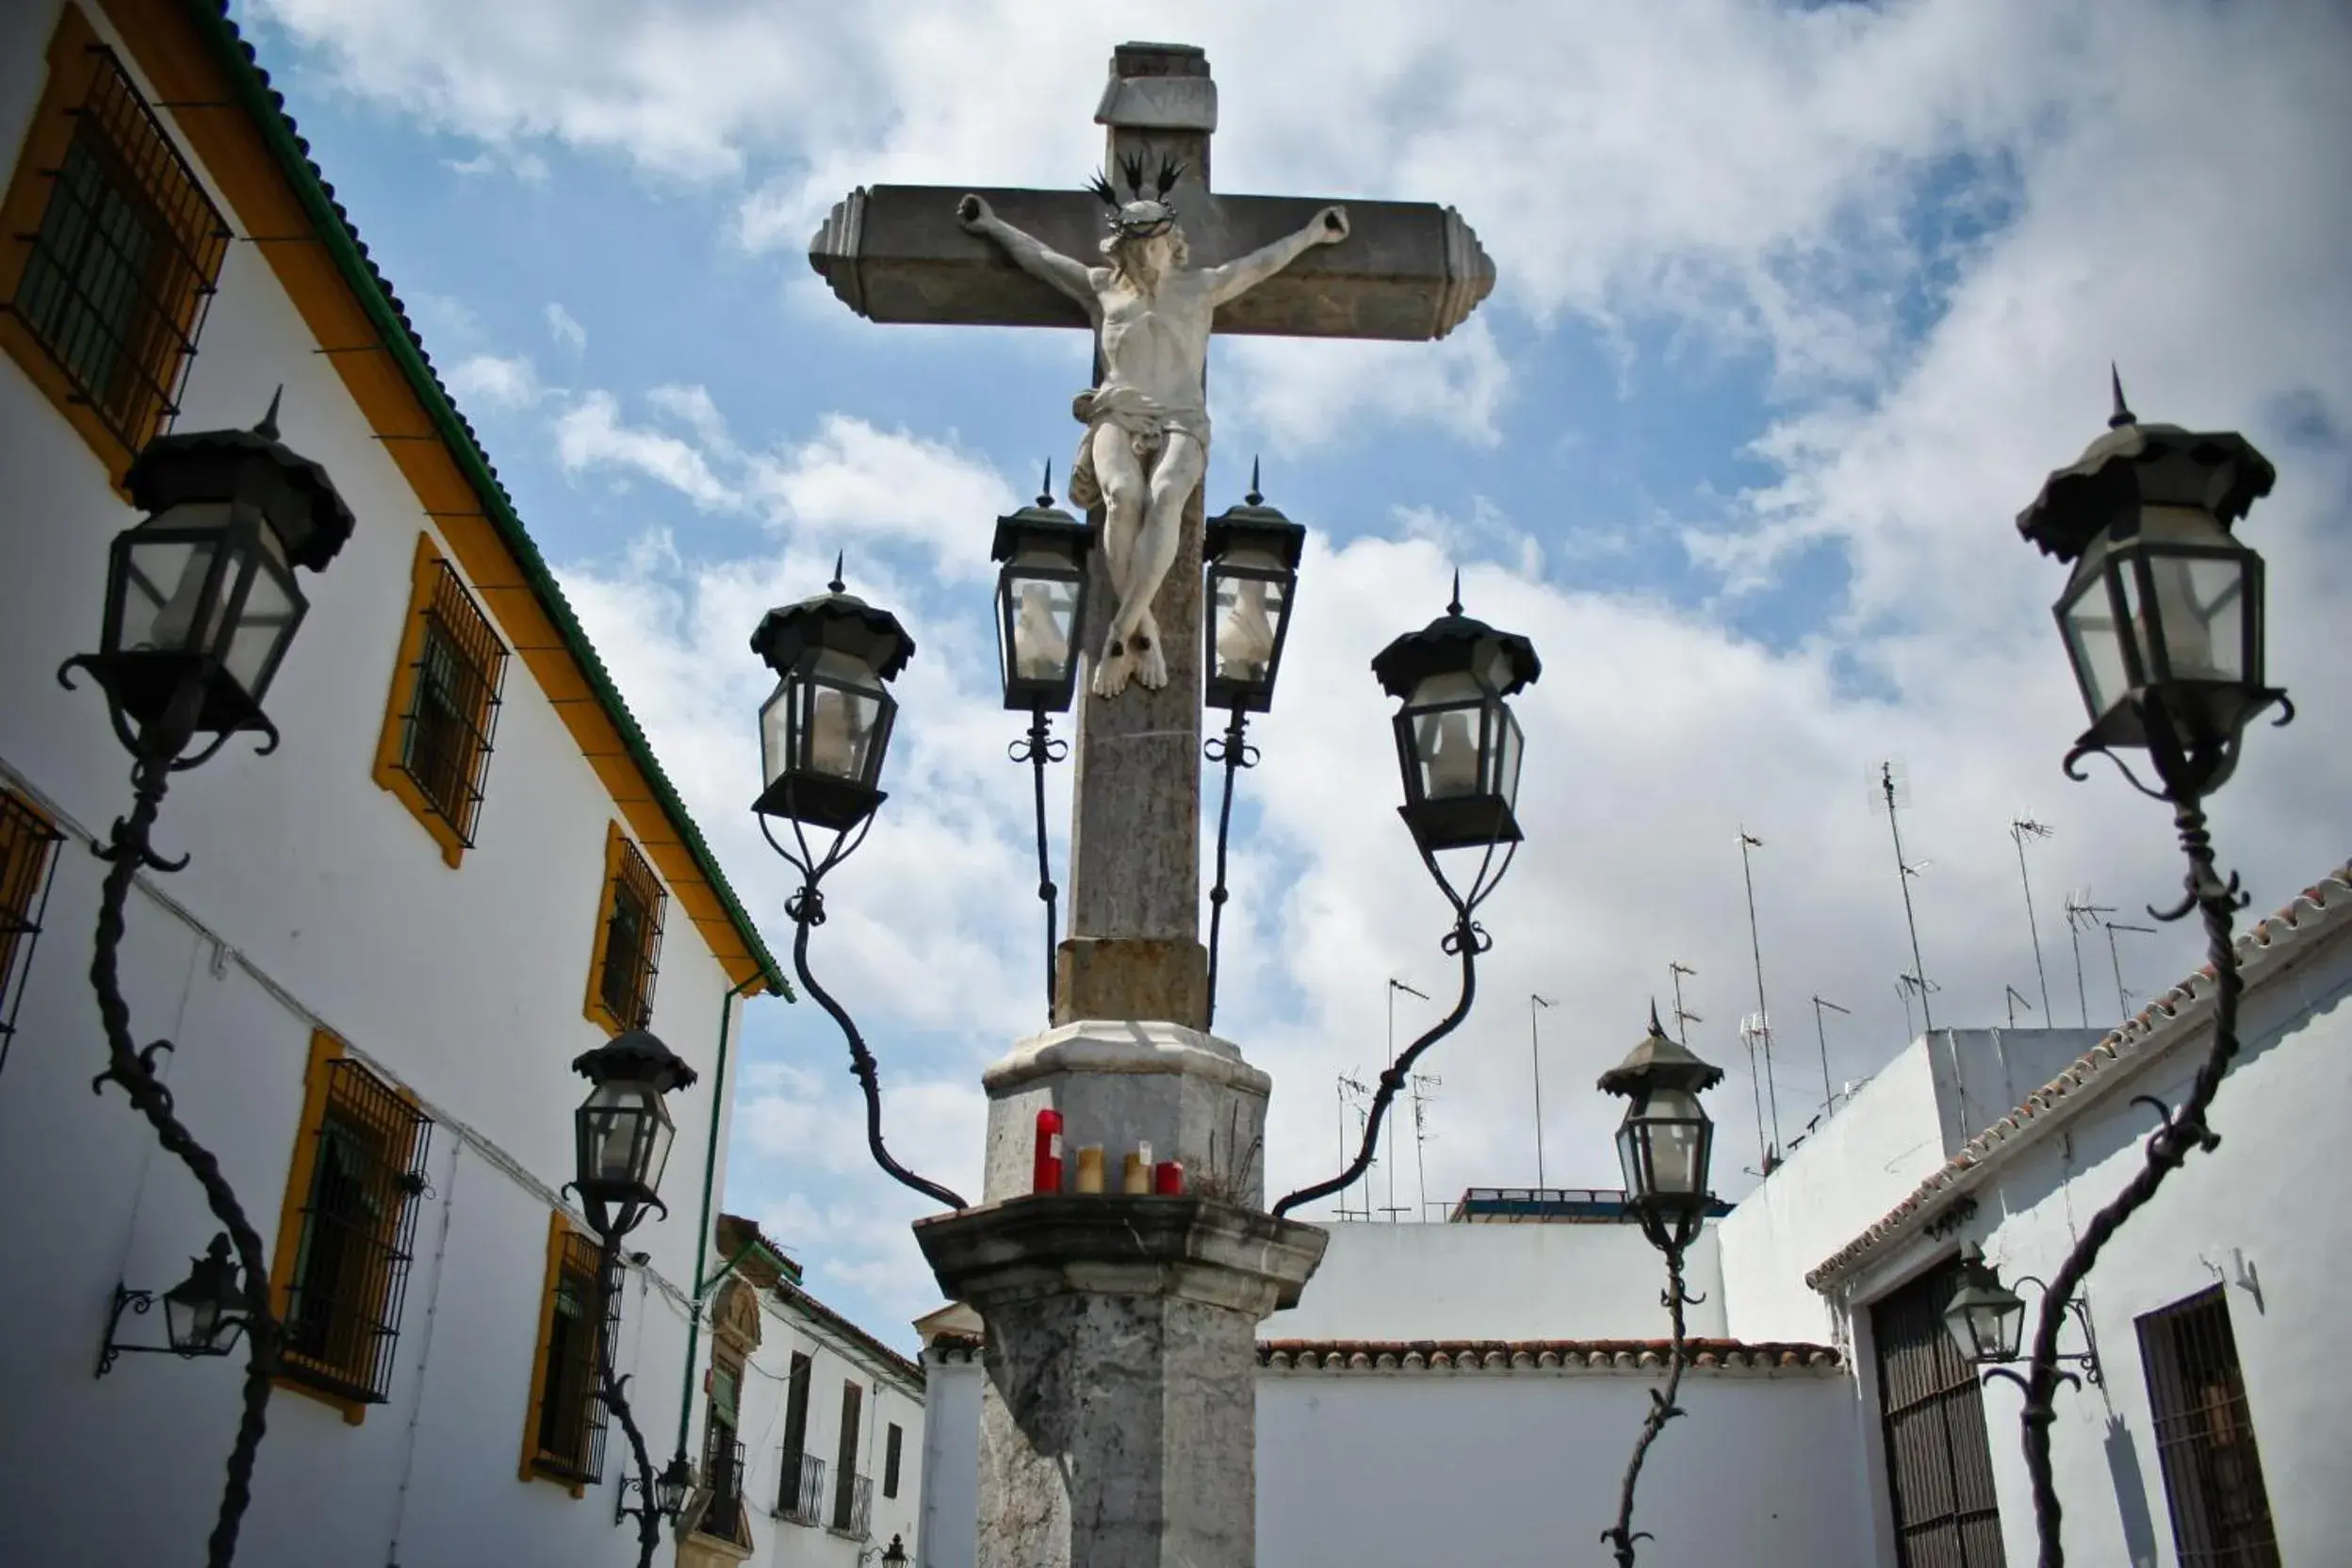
x,y
1499,1356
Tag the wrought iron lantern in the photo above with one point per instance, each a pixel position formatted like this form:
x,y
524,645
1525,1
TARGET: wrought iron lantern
x,y
1986,1318
1666,1139
623,1129
826,729
201,1314
1456,741
895,1555
2163,616
672,1485
202,601
1041,602
1251,554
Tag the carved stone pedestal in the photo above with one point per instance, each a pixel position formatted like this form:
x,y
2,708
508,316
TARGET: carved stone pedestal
x,y
1118,1426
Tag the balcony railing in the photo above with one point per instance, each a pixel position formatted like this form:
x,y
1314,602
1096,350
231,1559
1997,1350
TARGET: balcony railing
x,y
852,1506
801,1497
723,1517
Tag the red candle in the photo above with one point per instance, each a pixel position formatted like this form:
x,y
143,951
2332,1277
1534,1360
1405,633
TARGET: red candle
x,y
1046,1176
1168,1178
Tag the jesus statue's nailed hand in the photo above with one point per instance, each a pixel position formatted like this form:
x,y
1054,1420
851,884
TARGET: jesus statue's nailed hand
x,y
1332,222
975,213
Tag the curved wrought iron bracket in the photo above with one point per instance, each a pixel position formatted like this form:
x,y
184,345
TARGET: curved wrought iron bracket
x,y
2084,749
141,1302
1234,752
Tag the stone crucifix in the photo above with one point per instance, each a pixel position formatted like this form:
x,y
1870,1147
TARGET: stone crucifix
x,y
1177,263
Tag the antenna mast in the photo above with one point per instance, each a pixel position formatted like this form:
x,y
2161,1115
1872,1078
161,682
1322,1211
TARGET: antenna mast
x,y
2014,997
1395,986
2021,829
1896,791
2082,914
1829,1096
1535,1058
2123,998
1425,1086
1352,1091
1763,1021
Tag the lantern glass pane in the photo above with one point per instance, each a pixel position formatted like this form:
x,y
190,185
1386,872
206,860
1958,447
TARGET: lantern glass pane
x,y
2200,611
1677,1135
844,708
165,608
775,733
1504,725
264,626
1043,615
2095,643
1249,610
189,1321
615,1124
1629,1165
1445,736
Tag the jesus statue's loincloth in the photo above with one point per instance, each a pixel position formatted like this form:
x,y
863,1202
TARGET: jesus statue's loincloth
x,y
1146,421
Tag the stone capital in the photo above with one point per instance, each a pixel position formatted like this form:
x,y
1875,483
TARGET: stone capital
x,y
1192,1249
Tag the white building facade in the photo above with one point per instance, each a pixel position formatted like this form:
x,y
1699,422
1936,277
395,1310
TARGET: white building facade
x,y
1470,1391
461,868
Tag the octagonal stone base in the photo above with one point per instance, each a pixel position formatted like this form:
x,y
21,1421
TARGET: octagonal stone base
x,y
1119,1423
1187,1093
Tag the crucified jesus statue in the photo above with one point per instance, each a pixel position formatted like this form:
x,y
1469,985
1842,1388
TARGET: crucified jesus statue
x,y
1146,440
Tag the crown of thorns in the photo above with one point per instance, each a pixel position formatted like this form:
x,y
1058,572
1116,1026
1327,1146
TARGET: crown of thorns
x,y
1140,223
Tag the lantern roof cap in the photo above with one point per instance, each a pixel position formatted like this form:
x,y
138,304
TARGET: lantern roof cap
x,y
210,1278
2079,500
1255,522
294,493
835,620
1659,1061
637,1056
1979,1285
1449,644
1042,520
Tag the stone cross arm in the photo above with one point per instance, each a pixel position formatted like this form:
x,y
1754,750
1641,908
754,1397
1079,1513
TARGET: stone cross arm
x,y
1408,271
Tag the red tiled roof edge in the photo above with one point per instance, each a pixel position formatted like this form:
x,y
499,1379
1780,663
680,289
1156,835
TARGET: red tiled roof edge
x,y
2316,911
1502,1355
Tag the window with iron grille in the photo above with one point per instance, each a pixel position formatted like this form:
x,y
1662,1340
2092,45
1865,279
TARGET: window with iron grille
x,y
118,269
893,1441
629,939
1939,1460
2205,1436
847,1483
568,1411
722,1516
27,862
353,1235
800,1493
452,703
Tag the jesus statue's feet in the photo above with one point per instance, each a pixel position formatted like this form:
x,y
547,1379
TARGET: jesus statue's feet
x,y
1150,664
1110,671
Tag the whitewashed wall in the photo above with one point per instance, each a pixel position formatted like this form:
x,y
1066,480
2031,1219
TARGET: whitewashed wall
x,y
312,895
2265,1199
1408,1469
890,1397
1496,1282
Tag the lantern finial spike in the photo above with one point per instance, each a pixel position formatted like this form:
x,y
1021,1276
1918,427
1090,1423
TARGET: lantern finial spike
x,y
837,586
1253,498
1453,606
1655,1027
1045,490
268,428
2123,415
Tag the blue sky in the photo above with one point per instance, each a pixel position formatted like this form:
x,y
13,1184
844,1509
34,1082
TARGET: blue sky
x,y
1796,308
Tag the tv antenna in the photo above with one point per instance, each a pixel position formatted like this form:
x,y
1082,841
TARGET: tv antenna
x,y
1908,986
1683,1016
1821,1031
1425,1086
2015,998
1890,793
1755,1032
2020,829
1395,986
1535,1059
2123,998
2082,914
1762,1021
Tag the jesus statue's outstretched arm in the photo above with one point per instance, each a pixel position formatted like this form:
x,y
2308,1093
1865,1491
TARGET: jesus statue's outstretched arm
x,y
1031,255
1238,276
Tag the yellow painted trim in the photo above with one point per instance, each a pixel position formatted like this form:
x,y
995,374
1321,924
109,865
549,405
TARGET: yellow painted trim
x,y
43,852
559,1229
591,1006
317,1081
161,40
389,773
72,71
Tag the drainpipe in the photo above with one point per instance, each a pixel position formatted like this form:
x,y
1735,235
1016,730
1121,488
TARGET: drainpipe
x,y
702,1229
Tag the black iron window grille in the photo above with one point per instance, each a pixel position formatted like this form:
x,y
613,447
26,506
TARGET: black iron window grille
x,y
845,1478
1939,1460
893,1441
723,1476
2205,1436
122,266
452,704
569,1437
801,1497
358,1229
29,862
632,941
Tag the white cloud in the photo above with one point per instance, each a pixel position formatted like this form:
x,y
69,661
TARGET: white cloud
x,y
852,479
507,383
566,331
1305,393
591,437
